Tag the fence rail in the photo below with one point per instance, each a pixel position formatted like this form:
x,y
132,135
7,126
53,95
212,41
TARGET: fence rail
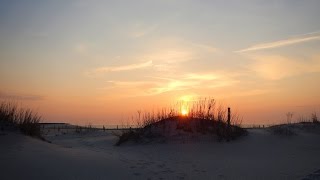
x,y
97,127
124,127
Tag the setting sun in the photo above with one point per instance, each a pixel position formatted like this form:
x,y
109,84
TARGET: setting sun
x,y
184,112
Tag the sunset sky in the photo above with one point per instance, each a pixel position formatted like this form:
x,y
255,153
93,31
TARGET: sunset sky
x,y
98,62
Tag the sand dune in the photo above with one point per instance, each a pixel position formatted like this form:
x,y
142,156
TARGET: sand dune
x,y
260,155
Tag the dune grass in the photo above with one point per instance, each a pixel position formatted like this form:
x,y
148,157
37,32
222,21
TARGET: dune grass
x,y
14,117
202,116
308,124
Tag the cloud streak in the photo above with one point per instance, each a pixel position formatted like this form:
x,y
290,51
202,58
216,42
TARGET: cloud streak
x,y
123,68
206,47
206,77
165,84
280,43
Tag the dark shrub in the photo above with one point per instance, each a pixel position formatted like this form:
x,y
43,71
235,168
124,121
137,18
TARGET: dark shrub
x,y
283,130
24,119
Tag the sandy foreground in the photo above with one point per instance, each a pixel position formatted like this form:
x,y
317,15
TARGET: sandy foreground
x,y
92,155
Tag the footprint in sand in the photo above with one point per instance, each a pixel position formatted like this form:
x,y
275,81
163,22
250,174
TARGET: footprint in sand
x,y
161,165
313,176
180,177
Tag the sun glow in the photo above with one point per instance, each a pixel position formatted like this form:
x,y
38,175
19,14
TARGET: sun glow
x,y
184,112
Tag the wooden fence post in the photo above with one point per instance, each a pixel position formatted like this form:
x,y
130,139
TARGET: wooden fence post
x,y
229,125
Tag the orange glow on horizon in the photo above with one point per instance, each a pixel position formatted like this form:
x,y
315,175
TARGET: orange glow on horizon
x,y
184,112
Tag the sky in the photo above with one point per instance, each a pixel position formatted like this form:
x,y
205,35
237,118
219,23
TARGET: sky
x,y
98,62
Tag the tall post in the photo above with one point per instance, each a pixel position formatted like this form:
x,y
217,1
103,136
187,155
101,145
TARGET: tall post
x,y
229,116
229,125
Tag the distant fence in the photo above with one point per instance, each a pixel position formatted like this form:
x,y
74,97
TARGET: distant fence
x,y
123,127
255,126
67,126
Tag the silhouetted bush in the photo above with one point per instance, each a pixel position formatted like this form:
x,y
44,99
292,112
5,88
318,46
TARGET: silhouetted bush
x,y
24,119
283,130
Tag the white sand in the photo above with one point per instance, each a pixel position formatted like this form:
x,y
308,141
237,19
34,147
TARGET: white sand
x,y
260,155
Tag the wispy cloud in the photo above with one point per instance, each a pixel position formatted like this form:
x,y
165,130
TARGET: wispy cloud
x,y
209,76
163,84
160,61
129,67
132,84
205,47
281,43
169,60
173,85
147,87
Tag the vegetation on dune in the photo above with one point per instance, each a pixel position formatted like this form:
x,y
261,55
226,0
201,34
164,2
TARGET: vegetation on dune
x,y
12,116
203,116
283,130
306,124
